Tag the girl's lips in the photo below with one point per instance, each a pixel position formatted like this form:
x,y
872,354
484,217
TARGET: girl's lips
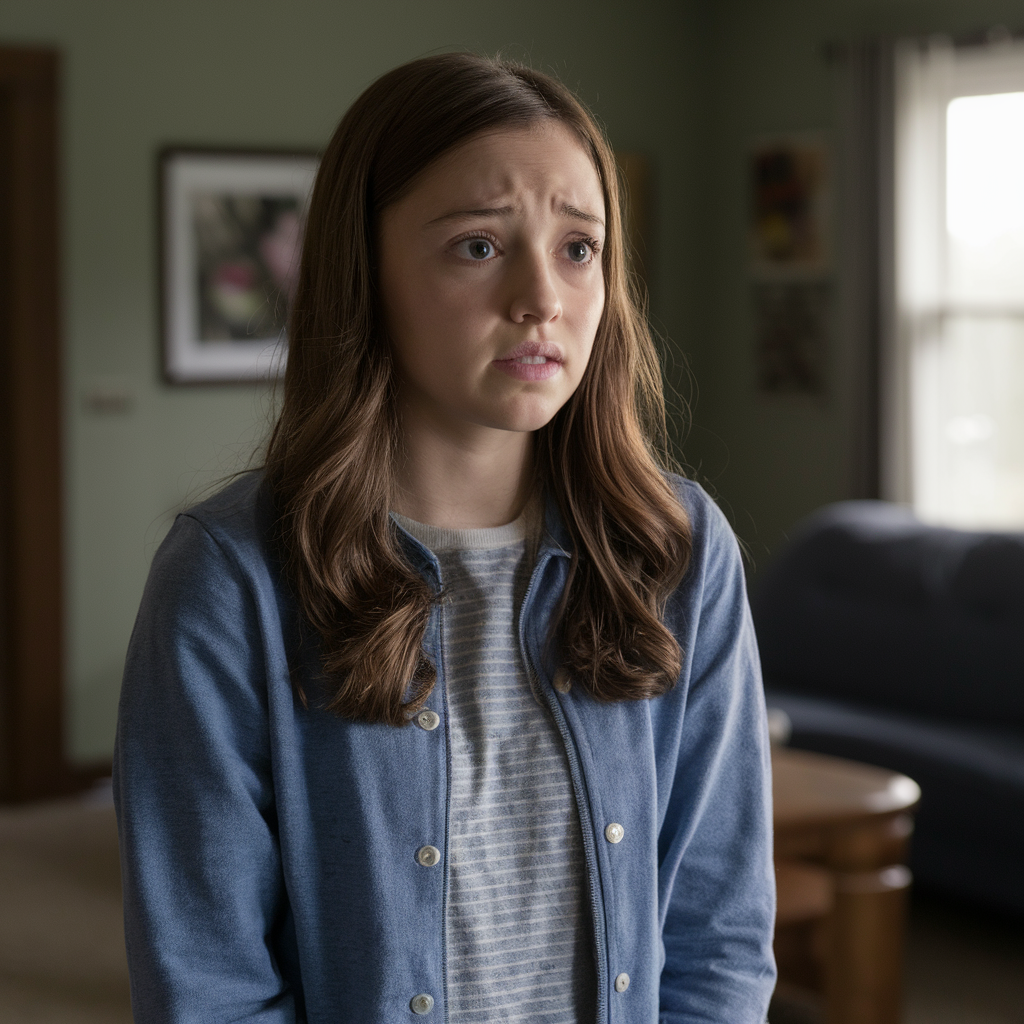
x,y
534,350
528,371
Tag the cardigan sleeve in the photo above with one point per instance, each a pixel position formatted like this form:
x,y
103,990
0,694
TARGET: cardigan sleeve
x,y
204,899
717,887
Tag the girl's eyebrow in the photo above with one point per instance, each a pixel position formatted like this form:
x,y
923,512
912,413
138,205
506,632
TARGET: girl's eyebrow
x,y
577,214
491,211
565,210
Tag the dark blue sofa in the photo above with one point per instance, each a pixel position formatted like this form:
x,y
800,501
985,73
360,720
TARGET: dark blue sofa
x,y
902,645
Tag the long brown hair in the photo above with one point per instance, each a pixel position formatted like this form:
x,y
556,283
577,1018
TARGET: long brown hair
x,y
332,455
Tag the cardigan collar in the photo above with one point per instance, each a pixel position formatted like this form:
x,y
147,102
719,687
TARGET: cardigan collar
x,y
555,541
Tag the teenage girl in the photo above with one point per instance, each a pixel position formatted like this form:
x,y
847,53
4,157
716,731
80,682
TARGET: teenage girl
x,y
453,710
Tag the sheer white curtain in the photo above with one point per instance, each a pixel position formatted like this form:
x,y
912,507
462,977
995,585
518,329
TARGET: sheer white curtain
x,y
952,403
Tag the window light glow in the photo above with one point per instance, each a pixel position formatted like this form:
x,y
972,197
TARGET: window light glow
x,y
955,426
985,167
970,429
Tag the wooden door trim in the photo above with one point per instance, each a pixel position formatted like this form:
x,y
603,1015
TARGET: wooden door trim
x,y
32,759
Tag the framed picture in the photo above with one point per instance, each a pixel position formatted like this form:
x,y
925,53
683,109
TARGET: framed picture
x,y
231,225
789,224
790,262
792,327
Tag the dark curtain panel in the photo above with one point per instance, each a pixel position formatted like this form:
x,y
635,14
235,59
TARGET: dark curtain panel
x,y
865,260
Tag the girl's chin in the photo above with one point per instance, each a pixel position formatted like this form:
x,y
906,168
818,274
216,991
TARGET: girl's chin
x,y
523,418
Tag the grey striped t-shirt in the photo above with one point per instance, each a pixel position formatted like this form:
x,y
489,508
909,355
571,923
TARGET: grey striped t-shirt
x,y
518,926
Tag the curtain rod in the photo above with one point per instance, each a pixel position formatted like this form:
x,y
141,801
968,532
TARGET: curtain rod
x,y
994,35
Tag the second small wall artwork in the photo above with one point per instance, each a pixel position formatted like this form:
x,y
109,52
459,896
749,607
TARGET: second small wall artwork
x,y
790,262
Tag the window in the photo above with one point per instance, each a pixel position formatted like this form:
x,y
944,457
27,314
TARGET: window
x,y
958,367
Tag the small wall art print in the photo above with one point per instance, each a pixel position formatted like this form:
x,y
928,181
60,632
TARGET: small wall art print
x,y
231,235
790,262
792,319
790,204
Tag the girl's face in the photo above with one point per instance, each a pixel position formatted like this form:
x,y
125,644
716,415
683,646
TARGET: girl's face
x,y
490,274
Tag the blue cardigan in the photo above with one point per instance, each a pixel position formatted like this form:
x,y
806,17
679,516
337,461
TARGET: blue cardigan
x,y
268,850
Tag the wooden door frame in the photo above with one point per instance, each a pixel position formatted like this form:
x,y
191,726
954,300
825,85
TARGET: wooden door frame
x,y
32,759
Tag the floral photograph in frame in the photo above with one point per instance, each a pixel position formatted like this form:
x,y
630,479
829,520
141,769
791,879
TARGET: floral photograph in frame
x,y
231,236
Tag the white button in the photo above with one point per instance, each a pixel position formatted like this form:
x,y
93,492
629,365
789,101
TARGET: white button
x,y
422,1003
428,856
622,982
428,720
614,833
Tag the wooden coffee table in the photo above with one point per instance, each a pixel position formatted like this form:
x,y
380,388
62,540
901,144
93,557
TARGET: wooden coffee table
x,y
841,835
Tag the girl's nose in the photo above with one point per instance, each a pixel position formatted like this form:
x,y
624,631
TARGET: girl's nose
x,y
534,295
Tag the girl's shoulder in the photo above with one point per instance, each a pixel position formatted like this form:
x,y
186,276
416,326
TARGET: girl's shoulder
x,y
227,535
239,517
711,532
236,509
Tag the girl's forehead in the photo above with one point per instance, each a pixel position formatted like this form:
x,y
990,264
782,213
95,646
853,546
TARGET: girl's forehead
x,y
506,168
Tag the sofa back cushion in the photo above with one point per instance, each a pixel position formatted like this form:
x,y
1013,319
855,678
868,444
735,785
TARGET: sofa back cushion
x,y
867,604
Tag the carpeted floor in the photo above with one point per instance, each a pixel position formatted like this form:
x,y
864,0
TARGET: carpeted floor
x,y
963,966
61,936
62,954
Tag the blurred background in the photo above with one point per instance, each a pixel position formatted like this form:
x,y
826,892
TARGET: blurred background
x,y
828,208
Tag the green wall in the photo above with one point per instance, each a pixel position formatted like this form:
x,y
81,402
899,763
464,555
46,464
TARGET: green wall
x,y
771,459
688,82
140,74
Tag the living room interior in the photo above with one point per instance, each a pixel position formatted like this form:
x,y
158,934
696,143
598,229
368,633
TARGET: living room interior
x,y
769,152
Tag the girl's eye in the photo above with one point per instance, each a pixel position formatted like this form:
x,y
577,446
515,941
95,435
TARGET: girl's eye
x,y
580,251
478,249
